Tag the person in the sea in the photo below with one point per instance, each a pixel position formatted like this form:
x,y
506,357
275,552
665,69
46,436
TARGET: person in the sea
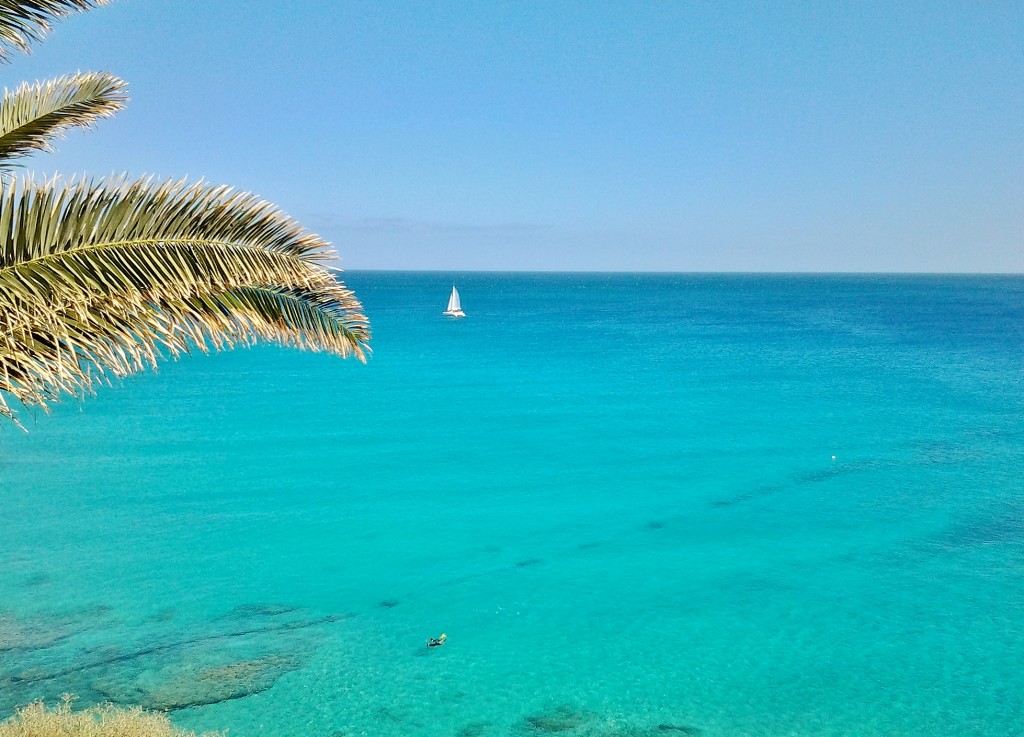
x,y
436,641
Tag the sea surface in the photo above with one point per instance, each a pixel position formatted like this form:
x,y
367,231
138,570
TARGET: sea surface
x,y
638,506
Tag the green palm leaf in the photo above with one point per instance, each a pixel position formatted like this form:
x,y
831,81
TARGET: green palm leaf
x,y
25,21
100,279
34,114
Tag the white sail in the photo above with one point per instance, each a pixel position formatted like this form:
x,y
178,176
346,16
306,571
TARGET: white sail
x,y
454,305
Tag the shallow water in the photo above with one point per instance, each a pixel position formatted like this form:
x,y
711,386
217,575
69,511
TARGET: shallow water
x,y
615,493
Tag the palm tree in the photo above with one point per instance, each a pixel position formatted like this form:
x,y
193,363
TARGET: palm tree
x,y
100,279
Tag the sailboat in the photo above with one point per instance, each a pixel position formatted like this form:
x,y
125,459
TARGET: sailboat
x,y
454,305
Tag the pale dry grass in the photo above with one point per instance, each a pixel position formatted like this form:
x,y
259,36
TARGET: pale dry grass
x,y
35,720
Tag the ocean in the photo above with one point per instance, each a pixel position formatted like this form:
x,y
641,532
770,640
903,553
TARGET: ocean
x,y
636,504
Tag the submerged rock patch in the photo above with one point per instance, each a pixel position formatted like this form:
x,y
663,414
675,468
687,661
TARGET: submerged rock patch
x,y
183,686
18,634
474,729
669,729
384,714
164,615
35,580
562,718
262,610
568,721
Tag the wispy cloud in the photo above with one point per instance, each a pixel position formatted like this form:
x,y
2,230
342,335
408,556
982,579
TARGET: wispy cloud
x,y
396,225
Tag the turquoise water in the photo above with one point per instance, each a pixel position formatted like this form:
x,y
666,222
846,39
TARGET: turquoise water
x,y
637,505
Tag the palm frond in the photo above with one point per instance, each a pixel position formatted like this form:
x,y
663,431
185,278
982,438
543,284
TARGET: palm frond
x,y
39,220
317,320
71,350
100,279
32,115
25,21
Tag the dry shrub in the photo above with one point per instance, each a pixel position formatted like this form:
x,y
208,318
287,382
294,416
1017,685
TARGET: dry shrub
x,y
35,720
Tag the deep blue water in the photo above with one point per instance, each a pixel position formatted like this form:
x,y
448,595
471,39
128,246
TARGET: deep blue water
x,y
637,504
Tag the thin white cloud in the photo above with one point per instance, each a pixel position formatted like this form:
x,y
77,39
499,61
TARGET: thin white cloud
x,y
396,225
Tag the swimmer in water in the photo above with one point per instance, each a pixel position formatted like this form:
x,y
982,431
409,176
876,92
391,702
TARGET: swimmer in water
x,y
436,641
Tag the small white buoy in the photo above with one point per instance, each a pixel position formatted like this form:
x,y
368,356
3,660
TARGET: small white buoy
x,y
833,458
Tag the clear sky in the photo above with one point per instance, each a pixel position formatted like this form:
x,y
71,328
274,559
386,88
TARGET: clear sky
x,y
653,136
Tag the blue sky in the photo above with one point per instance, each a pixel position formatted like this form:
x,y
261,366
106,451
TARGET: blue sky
x,y
653,136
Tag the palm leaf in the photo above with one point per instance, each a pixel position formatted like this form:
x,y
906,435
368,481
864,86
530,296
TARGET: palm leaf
x,y
40,220
34,114
25,21
71,350
101,279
